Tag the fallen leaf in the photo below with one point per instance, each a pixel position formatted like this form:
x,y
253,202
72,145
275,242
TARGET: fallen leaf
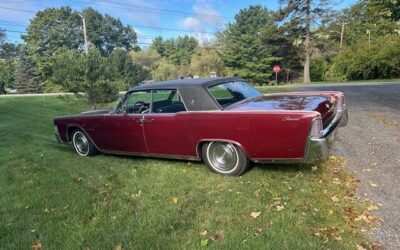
x,y
175,200
372,208
335,199
257,193
218,236
255,214
279,208
314,168
118,246
338,238
358,247
374,184
204,232
37,245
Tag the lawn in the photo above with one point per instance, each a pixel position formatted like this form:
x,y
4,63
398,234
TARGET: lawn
x,y
51,198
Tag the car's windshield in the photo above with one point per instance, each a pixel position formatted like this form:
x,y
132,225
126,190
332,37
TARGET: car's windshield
x,y
232,92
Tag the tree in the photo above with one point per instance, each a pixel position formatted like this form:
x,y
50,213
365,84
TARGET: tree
x,y
242,47
165,71
56,29
107,33
147,58
7,64
90,74
300,15
128,73
284,47
363,60
7,75
177,51
206,60
26,76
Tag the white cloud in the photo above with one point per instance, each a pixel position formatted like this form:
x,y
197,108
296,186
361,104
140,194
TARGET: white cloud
x,y
191,23
204,18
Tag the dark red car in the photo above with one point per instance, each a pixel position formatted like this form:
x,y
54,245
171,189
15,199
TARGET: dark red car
x,y
223,121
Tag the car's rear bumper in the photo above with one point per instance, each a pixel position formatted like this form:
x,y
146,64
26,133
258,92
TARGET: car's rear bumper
x,y
318,148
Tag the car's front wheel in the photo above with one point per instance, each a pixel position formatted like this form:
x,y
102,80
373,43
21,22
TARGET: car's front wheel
x,y
225,158
82,144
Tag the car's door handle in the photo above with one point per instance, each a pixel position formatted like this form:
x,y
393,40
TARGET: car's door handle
x,y
141,120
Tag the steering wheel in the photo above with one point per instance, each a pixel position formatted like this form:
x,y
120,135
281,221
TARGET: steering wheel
x,y
140,107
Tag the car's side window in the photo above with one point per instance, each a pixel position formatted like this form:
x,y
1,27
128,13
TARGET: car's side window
x,y
137,102
167,101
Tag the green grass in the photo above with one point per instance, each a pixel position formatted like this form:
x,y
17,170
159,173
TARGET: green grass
x,y
49,194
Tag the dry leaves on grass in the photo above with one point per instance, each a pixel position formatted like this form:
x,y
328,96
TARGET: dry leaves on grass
x,y
175,200
204,232
218,236
255,214
328,233
118,246
335,199
37,245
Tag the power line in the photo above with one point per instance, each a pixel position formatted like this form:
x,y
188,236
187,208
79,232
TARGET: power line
x,y
24,32
19,10
133,25
146,9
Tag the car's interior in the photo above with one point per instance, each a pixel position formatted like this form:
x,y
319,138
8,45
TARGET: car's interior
x,y
164,101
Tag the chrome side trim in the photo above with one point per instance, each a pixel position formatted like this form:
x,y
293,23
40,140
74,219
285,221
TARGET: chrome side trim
x,y
165,156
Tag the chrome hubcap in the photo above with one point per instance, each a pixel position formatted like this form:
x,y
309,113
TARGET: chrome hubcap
x,y
223,156
81,143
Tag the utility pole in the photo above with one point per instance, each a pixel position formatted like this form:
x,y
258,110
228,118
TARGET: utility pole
x,y
307,42
84,34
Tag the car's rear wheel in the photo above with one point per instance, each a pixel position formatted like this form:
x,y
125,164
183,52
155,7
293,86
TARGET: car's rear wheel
x,y
225,158
82,144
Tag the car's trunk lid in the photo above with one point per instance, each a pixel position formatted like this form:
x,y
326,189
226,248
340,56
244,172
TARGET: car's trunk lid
x,y
319,103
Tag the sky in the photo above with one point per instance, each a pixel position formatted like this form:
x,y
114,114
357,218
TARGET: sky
x,y
150,18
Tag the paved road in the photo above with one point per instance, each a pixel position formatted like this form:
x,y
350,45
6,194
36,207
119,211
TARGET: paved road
x,y
371,146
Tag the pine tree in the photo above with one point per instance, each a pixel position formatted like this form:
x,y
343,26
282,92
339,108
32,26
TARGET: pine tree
x,y
243,50
26,77
300,15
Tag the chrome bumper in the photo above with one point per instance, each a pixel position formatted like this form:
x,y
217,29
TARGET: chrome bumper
x,y
318,148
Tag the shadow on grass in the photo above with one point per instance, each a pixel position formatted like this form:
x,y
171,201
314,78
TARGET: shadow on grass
x,y
269,167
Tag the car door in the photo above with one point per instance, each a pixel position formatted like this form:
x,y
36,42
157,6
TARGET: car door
x,y
166,126
123,129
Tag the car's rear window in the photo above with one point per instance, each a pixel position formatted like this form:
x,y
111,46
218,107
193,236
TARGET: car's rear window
x,y
231,92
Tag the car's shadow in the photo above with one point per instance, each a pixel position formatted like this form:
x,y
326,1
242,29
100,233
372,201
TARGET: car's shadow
x,y
269,167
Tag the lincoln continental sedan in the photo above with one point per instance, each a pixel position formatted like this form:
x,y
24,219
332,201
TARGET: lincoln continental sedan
x,y
224,122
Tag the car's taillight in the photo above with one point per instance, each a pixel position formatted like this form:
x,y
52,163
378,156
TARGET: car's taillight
x,y
341,102
316,128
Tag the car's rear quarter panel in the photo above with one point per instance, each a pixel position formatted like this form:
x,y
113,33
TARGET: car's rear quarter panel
x,y
90,124
263,135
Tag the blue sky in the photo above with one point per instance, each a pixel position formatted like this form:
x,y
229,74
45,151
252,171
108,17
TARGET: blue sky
x,y
150,18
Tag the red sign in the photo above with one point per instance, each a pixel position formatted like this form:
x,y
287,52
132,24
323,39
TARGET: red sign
x,y
276,68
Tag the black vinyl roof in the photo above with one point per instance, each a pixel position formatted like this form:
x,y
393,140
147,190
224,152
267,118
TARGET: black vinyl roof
x,y
194,92
176,84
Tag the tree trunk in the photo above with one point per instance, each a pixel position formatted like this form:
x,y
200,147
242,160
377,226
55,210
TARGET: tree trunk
x,y
307,43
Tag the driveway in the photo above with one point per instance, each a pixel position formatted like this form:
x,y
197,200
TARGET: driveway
x,y
371,146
